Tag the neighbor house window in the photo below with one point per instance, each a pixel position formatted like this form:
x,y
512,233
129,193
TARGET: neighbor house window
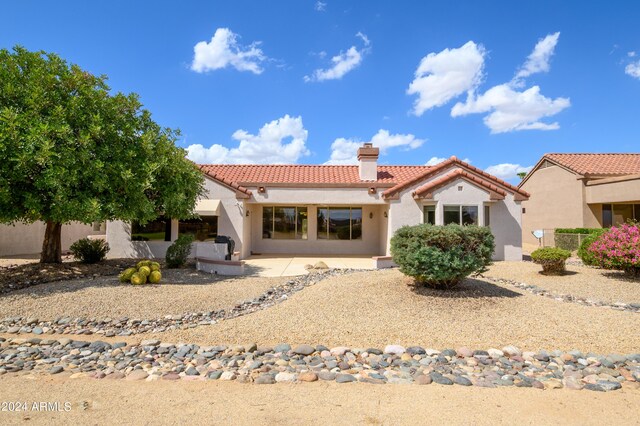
x,y
461,215
284,223
616,214
340,223
487,215
607,216
429,215
156,230
205,228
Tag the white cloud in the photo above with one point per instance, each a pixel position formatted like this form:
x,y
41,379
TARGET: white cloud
x,y
633,69
342,63
320,6
433,161
345,151
282,141
511,110
443,76
224,50
507,171
631,54
538,60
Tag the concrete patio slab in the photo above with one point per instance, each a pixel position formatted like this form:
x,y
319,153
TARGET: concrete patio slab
x,y
274,265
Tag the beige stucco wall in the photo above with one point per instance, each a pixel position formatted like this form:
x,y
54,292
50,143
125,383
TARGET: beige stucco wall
x,y
556,201
27,238
627,191
232,220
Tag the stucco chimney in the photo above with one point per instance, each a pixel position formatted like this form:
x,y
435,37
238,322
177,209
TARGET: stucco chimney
x,y
368,162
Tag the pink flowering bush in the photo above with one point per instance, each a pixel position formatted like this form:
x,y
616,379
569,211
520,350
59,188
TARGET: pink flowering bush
x,y
619,248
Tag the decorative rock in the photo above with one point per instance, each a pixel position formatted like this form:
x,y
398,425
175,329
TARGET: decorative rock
x,y
56,369
416,350
552,384
285,377
423,379
394,349
327,375
150,342
464,352
463,381
608,385
495,353
171,376
308,376
571,382
345,378
265,379
339,351
137,375
228,375
282,348
304,350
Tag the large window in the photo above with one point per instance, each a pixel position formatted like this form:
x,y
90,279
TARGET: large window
x,y
284,223
429,215
340,223
461,215
157,230
615,214
205,228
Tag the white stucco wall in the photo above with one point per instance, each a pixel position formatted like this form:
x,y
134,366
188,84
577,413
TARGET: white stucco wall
x,y
232,216
27,238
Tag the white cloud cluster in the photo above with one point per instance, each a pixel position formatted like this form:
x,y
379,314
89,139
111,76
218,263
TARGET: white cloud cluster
x,y
320,6
342,63
538,60
282,141
345,151
633,69
507,171
224,51
433,161
443,76
509,108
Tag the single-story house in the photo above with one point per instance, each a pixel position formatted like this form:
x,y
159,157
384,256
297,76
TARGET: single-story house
x,y
333,209
580,191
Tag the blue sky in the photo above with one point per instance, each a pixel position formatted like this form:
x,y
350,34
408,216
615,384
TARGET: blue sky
x,y
307,81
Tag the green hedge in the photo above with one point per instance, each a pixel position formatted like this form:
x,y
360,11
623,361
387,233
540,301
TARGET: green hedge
x,y
569,238
441,256
583,252
552,259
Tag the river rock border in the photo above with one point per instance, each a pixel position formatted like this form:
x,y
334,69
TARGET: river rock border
x,y
619,306
152,360
126,326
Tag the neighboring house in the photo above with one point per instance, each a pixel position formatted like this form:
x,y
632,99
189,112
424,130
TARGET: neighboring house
x,y
581,191
21,238
334,210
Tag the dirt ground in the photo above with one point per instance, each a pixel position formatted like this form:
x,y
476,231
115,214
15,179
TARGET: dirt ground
x,y
126,402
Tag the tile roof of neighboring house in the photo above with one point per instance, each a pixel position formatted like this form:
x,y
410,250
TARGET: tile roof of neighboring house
x,y
598,164
307,174
395,178
426,191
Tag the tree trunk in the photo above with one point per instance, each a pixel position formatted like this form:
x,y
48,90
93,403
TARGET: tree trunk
x,y
52,245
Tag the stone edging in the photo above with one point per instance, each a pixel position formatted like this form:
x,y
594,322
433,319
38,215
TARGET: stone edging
x,y
152,360
127,326
628,307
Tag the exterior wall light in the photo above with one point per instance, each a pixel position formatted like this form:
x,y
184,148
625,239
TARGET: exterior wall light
x,y
385,214
372,190
371,215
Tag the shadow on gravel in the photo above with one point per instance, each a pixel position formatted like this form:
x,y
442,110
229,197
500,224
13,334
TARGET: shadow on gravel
x,y
620,275
564,274
469,288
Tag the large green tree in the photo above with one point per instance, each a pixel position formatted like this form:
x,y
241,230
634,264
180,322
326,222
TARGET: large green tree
x,y
70,150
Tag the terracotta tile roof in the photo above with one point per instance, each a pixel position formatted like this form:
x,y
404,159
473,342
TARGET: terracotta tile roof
x,y
427,189
242,175
598,164
520,193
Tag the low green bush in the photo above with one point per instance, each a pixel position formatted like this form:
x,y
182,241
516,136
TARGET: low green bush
x,y
552,259
89,251
179,251
584,254
441,256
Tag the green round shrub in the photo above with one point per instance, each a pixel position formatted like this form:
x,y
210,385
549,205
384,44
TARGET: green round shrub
x,y
155,266
552,259
441,256
584,254
126,275
137,279
142,263
155,277
89,251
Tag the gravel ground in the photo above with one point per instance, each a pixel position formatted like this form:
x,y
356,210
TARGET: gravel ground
x,y
581,281
128,402
181,291
379,308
